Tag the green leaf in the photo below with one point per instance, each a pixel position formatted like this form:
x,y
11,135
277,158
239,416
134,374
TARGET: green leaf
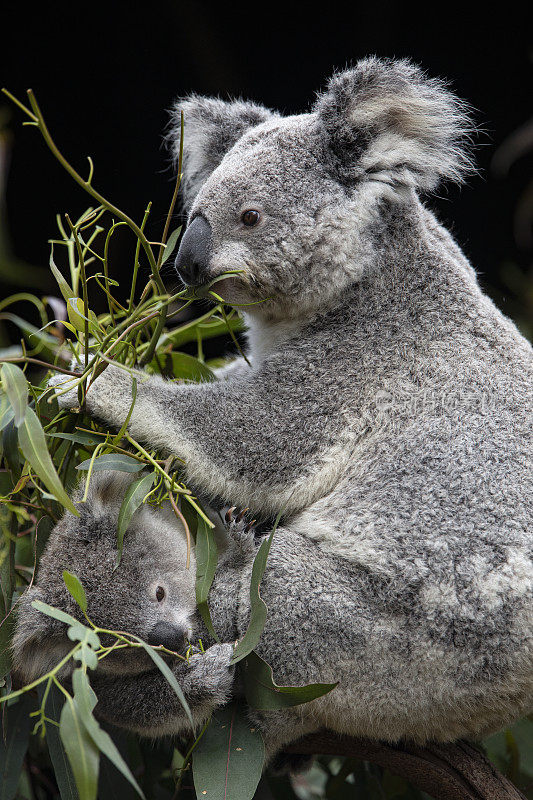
x,y
133,498
80,437
77,632
48,345
206,564
264,694
75,311
228,760
208,330
6,411
171,242
62,769
82,753
188,368
13,747
10,451
73,584
86,700
169,675
113,461
33,445
64,288
16,387
258,609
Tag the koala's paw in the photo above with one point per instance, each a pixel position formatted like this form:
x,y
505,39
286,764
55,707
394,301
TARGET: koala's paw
x,y
241,530
66,397
213,671
60,382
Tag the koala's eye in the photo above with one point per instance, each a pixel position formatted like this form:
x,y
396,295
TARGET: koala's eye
x,y
250,217
160,594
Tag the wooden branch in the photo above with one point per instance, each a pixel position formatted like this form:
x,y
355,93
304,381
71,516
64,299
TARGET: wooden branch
x,y
452,771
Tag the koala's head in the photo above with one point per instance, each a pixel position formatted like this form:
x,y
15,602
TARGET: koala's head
x,y
150,594
296,202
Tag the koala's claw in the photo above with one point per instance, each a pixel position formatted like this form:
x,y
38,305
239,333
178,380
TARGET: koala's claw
x,y
240,529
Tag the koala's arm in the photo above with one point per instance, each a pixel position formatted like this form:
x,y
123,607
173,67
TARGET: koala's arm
x,y
252,441
147,704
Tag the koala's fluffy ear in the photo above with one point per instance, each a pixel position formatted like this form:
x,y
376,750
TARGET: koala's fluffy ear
x,y
211,127
106,493
385,120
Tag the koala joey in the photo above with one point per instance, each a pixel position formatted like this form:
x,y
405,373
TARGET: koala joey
x,y
150,594
387,409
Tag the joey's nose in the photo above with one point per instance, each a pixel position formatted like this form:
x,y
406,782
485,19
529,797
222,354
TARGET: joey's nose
x,y
173,637
194,253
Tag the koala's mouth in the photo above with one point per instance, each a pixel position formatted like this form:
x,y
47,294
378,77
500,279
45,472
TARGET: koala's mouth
x,y
231,289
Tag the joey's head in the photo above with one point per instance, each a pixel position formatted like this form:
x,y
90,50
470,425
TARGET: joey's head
x,y
150,594
298,204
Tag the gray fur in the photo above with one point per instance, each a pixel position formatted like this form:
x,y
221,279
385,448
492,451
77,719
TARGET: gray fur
x,y
398,676
122,598
387,410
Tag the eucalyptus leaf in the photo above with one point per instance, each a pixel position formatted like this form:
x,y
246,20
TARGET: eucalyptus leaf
x,y
64,288
258,609
80,437
206,564
113,461
86,700
33,445
82,753
189,368
56,613
208,330
264,694
169,676
81,633
6,411
77,317
171,242
75,588
16,388
134,497
10,451
47,344
13,746
228,760
62,769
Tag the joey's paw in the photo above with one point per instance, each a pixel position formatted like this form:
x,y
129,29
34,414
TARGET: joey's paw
x,y
241,529
213,669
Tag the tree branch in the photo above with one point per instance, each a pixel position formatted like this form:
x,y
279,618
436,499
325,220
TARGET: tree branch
x,y
451,771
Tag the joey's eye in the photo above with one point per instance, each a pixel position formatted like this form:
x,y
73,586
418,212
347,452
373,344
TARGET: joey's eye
x,y
159,594
250,217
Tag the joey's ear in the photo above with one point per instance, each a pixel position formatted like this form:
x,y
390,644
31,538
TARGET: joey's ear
x,y
385,120
106,493
211,126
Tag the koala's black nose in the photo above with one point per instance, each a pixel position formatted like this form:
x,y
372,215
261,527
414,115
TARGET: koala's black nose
x,y
173,637
194,252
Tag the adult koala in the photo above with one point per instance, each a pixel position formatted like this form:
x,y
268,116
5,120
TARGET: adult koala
x,y
387,407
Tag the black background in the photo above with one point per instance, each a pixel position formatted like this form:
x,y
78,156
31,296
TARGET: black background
x,y
104,76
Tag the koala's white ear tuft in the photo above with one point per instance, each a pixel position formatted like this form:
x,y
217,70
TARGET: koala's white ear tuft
x,y
211,127
385,120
